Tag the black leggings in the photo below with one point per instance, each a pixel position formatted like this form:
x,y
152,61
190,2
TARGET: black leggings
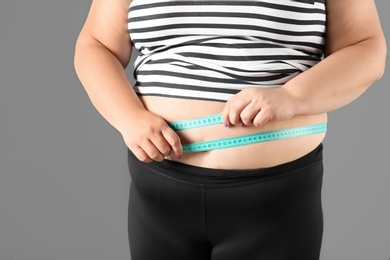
x,y
178,211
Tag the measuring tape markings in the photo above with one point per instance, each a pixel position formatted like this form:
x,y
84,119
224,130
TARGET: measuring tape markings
x,y
196,122
239,140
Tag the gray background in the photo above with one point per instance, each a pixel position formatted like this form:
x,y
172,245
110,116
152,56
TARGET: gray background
x,y
63,169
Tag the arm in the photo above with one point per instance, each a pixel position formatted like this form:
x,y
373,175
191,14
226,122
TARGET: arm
x,y
354,58
102,52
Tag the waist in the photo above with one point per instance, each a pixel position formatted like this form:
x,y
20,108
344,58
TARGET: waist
x,y
256,155
225,143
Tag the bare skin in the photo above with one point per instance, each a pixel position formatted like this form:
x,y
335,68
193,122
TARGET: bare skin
x,y
354,59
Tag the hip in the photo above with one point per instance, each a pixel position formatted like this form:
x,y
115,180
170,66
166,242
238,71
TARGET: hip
x,y
190,176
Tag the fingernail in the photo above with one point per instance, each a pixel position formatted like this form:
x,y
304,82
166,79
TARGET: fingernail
x,y
225,124
179,157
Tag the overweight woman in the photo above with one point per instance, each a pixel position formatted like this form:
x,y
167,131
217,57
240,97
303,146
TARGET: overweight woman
x,y
225,122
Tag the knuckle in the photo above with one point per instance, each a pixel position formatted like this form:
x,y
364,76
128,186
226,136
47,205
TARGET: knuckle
x,y
175,141
148,131
143,157
248,122
233,108
271,109
267,110
256,100
172,138
155,155
233,120
156,126
166,150
259,122
159,158
246,119
161,124
233,116
134,146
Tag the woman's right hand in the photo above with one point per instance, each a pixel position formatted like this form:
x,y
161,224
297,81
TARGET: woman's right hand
x,y
150,138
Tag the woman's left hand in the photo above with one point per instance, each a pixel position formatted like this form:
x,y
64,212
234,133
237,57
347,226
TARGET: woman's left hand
x,y
256,106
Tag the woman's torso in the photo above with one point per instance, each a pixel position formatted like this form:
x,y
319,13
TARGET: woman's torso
x,y
177,80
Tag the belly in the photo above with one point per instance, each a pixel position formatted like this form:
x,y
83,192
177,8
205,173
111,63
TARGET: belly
x,y
259,155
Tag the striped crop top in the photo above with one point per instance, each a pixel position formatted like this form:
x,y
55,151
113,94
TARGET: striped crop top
x,y
212,49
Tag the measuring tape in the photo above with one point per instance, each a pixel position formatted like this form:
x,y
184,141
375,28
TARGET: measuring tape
x,y
239,140
196,122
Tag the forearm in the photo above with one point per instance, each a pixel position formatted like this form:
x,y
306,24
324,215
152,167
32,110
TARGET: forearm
x,y
106,84
338,79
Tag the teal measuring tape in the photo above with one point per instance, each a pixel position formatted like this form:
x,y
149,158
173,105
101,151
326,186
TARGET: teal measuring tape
x,y
196,122
240,140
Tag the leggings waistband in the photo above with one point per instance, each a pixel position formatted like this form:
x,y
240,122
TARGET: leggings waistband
x,y
190,172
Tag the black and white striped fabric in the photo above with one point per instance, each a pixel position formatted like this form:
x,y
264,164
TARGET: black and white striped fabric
x,y
210,50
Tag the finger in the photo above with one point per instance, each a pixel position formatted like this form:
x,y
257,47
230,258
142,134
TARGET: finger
x,y
225,115
161,144
249,113
140,154
226,110
235,112
234,108
262,117
152,151
174,141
